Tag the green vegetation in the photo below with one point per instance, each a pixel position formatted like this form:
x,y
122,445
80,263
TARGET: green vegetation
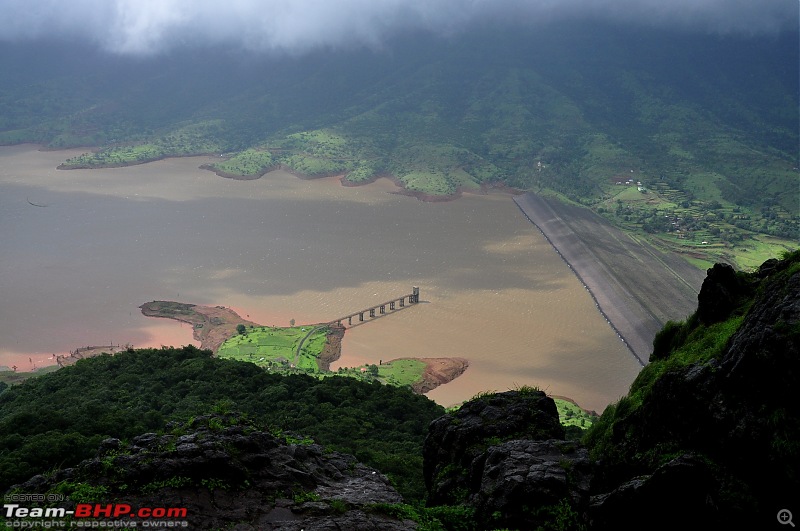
x,y
404,372
316,153
570,414
692,343
297,350
60,418
439,518
247,163
401,372
276,348
695,220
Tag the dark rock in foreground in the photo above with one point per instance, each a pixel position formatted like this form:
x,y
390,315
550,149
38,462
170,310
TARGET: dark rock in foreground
x,y
228,473
718,438
505,455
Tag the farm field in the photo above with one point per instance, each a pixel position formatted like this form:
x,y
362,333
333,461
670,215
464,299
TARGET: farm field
x,y
275,348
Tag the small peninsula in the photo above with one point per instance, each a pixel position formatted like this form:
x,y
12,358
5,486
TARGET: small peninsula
x,y
309,348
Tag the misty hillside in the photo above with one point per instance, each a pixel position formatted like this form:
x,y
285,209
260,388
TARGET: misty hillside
x,y
705,120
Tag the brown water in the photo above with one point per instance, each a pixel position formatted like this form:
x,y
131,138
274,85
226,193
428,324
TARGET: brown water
x,y
74,272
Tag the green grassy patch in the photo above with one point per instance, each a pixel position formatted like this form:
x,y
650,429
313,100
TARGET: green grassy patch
x,y
318,152
404,372
276,348
401,372
570,414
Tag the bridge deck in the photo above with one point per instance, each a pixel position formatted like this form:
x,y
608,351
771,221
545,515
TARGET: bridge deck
x,y
412,298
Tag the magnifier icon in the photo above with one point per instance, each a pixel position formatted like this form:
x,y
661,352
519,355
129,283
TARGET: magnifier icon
x,y
785,517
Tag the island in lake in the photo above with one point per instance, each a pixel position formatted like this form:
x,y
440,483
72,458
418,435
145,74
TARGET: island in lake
x,y
306,349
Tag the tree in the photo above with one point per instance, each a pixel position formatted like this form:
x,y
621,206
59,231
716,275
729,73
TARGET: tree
x,y
241,329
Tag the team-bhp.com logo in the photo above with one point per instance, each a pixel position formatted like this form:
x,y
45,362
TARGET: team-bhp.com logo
x,y
95,515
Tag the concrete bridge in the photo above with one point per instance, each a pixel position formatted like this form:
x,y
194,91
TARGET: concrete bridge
x,y
381,309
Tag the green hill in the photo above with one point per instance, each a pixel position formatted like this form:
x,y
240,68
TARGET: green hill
x,y
707,124
58,419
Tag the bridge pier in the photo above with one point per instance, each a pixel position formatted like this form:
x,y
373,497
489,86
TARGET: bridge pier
x,y
413,297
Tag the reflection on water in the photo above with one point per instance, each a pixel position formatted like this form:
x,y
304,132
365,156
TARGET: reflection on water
x,y
74,272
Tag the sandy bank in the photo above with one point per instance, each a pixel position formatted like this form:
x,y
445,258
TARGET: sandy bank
x,y
211,325
438,371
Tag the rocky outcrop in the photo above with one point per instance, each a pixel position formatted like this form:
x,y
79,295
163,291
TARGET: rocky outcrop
x,y
229,474
731,423
505,455
720,294
523,484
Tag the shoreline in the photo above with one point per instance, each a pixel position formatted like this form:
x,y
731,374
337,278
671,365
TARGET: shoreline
x,y
211,325
483,188
64,167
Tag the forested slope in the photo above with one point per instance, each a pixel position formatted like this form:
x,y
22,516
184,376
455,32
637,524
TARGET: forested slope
x,y
59,419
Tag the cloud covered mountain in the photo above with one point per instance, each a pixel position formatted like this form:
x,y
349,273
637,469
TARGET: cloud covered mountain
x,y
145,27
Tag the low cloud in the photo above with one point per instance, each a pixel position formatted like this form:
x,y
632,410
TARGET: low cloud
x,y
142,27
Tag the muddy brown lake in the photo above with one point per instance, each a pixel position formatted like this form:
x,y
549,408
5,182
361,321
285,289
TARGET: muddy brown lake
x,y
82,249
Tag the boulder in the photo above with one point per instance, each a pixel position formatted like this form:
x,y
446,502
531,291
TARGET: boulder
x,y
524,484
455,440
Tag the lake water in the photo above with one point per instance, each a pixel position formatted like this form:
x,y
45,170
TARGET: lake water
x,y
74,271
